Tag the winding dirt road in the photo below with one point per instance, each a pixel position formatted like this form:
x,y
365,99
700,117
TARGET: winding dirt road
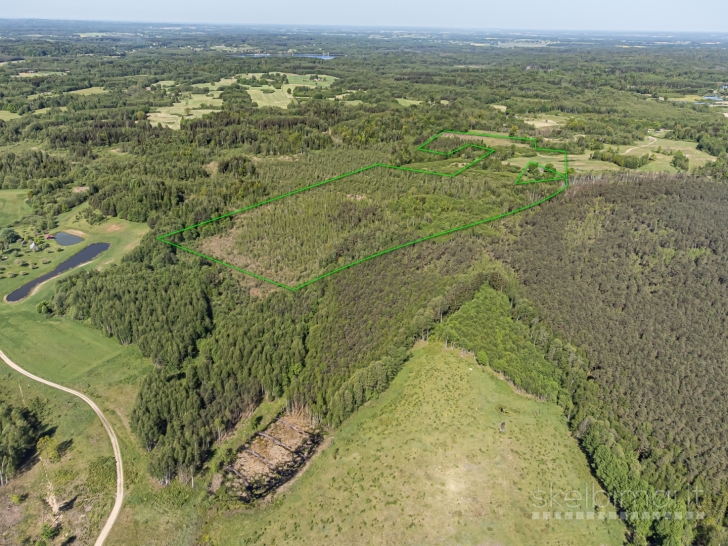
x,y
650,143
112,436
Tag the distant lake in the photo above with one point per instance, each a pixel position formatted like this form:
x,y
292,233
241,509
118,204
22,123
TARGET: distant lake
x,y
308,55
66,239
86,255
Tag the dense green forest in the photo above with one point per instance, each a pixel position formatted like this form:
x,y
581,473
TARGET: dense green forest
x,y
618,284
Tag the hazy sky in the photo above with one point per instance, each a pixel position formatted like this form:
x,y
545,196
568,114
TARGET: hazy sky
x,y
664,15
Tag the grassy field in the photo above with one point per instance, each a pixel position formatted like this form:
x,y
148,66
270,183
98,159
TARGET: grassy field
x,y
408,102
38,74
426,464
212,86
280,98
89,91
12,206
649,146
122,235
46,110
7,116
198,105
687,98
545,121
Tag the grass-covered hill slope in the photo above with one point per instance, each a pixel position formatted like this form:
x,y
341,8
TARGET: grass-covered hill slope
x,y
427,464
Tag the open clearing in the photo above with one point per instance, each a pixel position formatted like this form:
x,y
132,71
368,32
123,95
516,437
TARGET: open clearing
x,y
426,464
280,98
7,116
408,102
650,145
12,206
545,121
42,111
191,107
39,74
88,91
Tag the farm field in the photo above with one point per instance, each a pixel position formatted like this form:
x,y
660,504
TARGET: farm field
x,y
12,206
46,110
89,91
280,98
6,116
408,102
649,146
39,74
426,464
190,107
545,121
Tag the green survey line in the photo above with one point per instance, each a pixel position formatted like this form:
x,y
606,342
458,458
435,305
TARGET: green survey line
x,y
210,258
564,177
440,234
272,199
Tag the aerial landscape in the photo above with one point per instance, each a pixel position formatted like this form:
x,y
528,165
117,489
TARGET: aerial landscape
x,y
318,277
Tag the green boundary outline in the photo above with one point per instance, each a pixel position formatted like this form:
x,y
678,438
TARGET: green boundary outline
x,y
422,148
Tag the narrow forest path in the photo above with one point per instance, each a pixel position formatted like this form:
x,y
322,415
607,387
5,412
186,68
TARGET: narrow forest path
x,y
112,436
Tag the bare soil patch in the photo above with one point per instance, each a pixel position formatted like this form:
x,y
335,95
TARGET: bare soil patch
x,y
212,167
272,457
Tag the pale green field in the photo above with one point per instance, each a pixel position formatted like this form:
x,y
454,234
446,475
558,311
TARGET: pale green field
x,y
165,83
214,86
7,116
280,97
499,107
122,235
42,111
12,206
426,464
687,98
89,91
408,102
548,120
170,116
648,146
38,74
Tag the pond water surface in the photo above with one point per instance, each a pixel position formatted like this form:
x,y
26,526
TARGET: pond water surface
x,y
85,255
66,239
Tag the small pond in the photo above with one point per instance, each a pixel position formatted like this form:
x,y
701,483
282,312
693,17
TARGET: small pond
x,y
66,239
82,257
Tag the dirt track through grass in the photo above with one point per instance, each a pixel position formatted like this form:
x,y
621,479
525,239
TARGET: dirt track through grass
x,y
112,437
